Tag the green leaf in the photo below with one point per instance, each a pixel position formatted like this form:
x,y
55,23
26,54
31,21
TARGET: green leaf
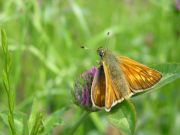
x,y
36,119
80,16
53,120
38,126
97,122
18,120
6,83
123,116
4,41
170,73
25,126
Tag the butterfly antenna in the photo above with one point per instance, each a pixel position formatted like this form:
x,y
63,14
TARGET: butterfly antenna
x,y
84,47
107,40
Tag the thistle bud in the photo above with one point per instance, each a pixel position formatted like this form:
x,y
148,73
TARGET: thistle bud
x,y
82,90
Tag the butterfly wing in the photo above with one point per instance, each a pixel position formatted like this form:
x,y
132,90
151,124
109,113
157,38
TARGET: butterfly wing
x,y
138,76
98,88
113,95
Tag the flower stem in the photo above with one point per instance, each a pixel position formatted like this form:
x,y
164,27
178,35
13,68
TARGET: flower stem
x,y
79,122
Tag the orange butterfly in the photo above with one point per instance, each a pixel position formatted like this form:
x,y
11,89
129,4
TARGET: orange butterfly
x,y
118,78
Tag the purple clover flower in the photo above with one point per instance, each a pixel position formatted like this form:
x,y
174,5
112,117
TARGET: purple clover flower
x,y
177,4
82,89
92,71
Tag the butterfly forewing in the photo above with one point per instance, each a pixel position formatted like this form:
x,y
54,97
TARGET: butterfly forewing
x,y
138,76
113,93
98,88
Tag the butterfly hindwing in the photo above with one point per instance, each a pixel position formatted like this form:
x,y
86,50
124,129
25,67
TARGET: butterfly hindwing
x,y
138,76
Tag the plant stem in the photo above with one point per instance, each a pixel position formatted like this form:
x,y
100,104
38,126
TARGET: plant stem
x,y
6,82
79,122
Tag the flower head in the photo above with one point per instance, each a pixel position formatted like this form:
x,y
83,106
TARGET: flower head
x,y
177,4
82,90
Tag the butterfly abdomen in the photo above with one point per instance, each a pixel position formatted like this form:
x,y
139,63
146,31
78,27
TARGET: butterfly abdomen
x,y
117,77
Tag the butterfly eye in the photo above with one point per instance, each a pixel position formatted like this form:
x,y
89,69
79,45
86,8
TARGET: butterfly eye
x,y
101,53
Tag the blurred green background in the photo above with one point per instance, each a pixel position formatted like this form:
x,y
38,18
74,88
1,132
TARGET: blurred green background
x,y
44,38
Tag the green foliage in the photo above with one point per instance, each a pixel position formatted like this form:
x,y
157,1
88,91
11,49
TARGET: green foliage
x,y
123,116
18,120
6,82
35,120
38,125
53,120
170,73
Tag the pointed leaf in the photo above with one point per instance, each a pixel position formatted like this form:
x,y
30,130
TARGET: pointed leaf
x,y
18,120
53,120
4,41
34,115
123,116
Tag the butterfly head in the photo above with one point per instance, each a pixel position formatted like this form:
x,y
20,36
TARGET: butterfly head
x,y
101,52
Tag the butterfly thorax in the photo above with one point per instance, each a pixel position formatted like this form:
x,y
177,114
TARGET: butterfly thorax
x,y
110,62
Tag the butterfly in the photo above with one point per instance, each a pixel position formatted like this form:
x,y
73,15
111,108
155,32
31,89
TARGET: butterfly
x,y
118,78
